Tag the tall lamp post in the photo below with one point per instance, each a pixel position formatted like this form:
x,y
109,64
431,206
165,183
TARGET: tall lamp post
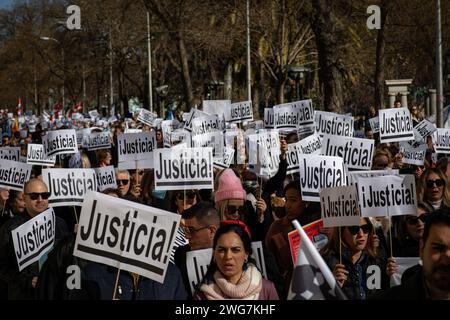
x,y
63,69
439,86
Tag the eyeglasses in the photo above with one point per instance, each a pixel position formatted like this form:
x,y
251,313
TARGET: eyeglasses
x,y
35,195
438,182
192,230
233,209
122,182
415,220
190,195
141,172
355,229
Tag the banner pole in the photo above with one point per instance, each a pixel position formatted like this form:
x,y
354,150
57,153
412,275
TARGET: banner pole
x,y
340,246
137,173
115,285
390,235
75,213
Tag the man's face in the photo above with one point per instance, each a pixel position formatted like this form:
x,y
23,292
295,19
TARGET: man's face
x,y
435,255
123,183
200,236
34,198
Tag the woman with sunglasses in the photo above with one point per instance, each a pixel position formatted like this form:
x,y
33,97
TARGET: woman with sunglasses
x,y
358,253
433,189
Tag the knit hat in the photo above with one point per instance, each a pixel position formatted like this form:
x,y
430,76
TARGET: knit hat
x,y
230,187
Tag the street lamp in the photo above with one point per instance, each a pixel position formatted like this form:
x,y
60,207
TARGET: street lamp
x,y
298,74
62,66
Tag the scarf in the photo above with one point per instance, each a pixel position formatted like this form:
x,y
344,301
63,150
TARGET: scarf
x,y
247,288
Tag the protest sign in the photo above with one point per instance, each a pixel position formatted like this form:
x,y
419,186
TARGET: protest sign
x,y
34,238
269,118
207,124
183,169
136,146
402,263
218,107
213,140
132,165
240,112
352,176
356,153
413,155
292,159
14,175
395,125
194,113
318,172
35,156
126,235
312,230
10,153
387,195
68,187
106,178
333,123
310,145
59,142
375,124
228,154
98,140
147,117
167,127
424,129
339,206
441,140
293,115
180,136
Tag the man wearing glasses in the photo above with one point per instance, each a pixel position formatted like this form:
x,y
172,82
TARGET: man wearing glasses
x,y
21,285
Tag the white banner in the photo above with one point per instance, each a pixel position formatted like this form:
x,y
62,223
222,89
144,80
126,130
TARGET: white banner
x,y
68,187
310,145
339,206
412,155
207,124
60,142
132,237
240,112
424,129
352,176
294,114
395,125
356,153
333,123
183,169
318,172
375,124
35,156
387,195
98,140
10,153
14,175
136,146
106,178
34,238
441,140
147,117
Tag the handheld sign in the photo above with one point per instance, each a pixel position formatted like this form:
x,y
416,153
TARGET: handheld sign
x,y
294,114
59,142
136,146
424,129
211,139
126,235
441,140
310,145
207,124
240,112
339,206
357,153
68,187
228,154
98,140
352,176
10,153
34,238
387,195
269,118
147,117
413,155
106,178
375,124
292,158
318,172
333,123
183,169
194,113
14,174
35,156
395,125
167,127
218,107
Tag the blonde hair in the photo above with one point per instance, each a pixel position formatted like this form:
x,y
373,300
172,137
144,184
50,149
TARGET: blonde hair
x,y
421,187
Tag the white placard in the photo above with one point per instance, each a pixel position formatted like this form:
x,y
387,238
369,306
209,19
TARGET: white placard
x,y
98,140
269,118
352,176
292,159
10,153
183,169
68,187
167,127
34,238
106,178
14,175
441,140
240,112
387,195
333,123
207,124
132,165
60,142
310,145
402,264
413,155
211,139
227,160
356,153
375,124
318,172
294,114
147,117
339,206
395,125
194,113
135,237
136,146
218,107
424,129
35,156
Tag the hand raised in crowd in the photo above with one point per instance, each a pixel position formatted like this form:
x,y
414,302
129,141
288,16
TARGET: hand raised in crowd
x,y
391,267
34,282
340,274
283,148
136,190
4,195
260,207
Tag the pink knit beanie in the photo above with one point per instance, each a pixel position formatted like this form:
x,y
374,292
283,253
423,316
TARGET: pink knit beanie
x,y
230,187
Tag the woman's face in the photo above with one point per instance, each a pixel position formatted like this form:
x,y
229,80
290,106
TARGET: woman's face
x,y
18,205
185,200
107,160
294,204
230,256
435,187
233,209
416,224
356,237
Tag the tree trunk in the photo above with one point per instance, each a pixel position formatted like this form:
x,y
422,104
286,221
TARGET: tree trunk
x,y
229,80
186,77
379,68
331,66
280,90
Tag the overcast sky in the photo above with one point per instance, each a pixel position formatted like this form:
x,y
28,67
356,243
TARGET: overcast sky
x,y
5,3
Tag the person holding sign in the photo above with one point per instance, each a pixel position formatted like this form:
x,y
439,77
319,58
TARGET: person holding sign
x,y
351,268
232,273
433,189
104,157
14,204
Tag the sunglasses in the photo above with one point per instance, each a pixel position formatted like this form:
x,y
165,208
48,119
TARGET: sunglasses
x,y
438,182
192,230
355,229
233,209
415,220
140,172
189,195
122,182
35,195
